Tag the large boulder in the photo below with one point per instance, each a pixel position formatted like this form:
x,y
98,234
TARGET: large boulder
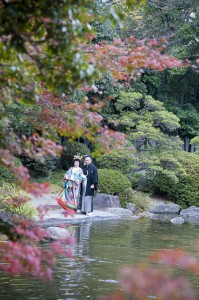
x,y
165,208
57,233
120,211
177,221
104,201
190,215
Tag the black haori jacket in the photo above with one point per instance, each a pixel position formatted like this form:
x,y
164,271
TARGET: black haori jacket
x,y
92,178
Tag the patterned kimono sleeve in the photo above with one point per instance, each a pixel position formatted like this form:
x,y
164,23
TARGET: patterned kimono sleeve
x,y
69,172
81,176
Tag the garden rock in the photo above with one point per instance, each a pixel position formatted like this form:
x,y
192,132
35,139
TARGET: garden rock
x,y
165,208
177,221
190,215
56,233
120,211
131,207
104,201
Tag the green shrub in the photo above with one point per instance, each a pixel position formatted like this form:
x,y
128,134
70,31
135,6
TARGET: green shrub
x,y
141,200
69,150
116,161
113,182
6,175
40,168
134,179
184,191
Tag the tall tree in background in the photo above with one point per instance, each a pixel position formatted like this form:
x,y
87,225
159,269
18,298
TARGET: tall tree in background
x,y
177,21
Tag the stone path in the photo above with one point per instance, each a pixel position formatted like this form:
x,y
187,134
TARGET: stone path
x,y
55,215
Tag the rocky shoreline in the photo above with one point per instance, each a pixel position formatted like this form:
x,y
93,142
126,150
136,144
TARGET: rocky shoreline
x,y
107,207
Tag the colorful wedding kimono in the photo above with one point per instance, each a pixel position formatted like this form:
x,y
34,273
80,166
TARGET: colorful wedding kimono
x,y
68,197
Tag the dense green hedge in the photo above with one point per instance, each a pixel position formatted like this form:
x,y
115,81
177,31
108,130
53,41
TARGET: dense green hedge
x,y
115,161
71,149
185,191
113,182
42,168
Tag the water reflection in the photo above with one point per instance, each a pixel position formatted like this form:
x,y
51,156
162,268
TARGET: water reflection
x,y
101,249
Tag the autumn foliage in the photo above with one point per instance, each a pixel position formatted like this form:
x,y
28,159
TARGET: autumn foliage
x,y
127,60
47,52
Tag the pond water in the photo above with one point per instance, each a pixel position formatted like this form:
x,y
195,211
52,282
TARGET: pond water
x,y
101,249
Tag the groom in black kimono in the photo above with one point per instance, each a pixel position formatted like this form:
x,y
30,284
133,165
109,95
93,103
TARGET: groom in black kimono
x,y
91,184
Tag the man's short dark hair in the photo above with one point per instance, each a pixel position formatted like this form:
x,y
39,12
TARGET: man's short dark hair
x,y
85,156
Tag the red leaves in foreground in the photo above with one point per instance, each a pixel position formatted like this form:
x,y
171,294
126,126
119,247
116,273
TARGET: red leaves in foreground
x,y
177,258
17,258
37,189
26,256
145,281
141,282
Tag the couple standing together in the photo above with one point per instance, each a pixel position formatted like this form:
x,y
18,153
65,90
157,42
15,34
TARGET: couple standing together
x,y
79,186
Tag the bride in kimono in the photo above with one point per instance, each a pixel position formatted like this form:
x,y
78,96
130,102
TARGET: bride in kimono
x,y
68,198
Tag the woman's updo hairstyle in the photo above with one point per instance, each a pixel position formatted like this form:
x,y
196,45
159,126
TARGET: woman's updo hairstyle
x,y
77,158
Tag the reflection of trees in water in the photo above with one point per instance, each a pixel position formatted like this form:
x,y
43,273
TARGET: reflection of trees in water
x,y
135,239
168,236
101,249
110,239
